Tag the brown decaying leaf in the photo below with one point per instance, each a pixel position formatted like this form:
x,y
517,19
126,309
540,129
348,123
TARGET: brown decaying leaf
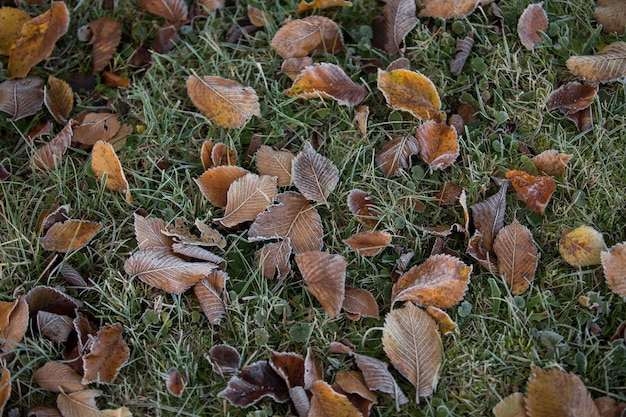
x,y
488,216
59,99
159,267
51,153
174,11
326,81
325,276
360,302
517,256
51,299
104,160
106,354
448,9
444,323
165,39
21,98
611,14
476,249
551,162
603,67
448,194
226,102
223,155
533,20
56,327
305,6
54,215
215,182
13,323
209,293
400,19
369,243
395,156
608,407
96,126
79,403
224,360
326,402
289,366
69,235
412,344
36,39
511,406
311,35
314,175
273,259
582,119
360,118
614,265
114,81
353,385
258,17
360,204
211,5
106,34
58,377
253,383
4,174
205,154
439,144
41,411
379,379
275,163
11,22
148,232
175,382
581,246
554,393
5,387
197,252
291,67
463,49
535,191
247,197
572,97
411,91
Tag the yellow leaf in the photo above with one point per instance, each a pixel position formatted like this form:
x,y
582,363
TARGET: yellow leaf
x,y
105,161
411,91
582,246
326,81
59,99
11,21
305,6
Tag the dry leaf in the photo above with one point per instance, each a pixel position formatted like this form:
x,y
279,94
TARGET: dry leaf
x,y
291,67
400,19
11,22
369,243
582,246
226,102
165,39
79,404
379,379
443,320
175,382
532,21
412,343
325,276
360,204
183,237
582,119
106,353
197,252
273,259
56,327
463,49
326,81
174,11
105,161
441,281
50,299
58,377
247,197
314,175
411,91
551,162
488,216
534,191
311,35
51,153
209,293
289,366
326,402
446,9
21,98
205,154
614,265
40,411
439,144
59,99
69,235
224,360
611,14
396,155
106,34
255,382
511,406
305,6
572,97
223,155
5,387
258,17
215,182
353,385
96,126
275,163
448,194
517,256
13,323
212,5
148,232
114,81
476,249
360,118
36,39
360,302
608,407
603,67
554,393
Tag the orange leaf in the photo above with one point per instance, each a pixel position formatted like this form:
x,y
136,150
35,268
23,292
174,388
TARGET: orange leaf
x,y
353,385
36,39
614,265
174,11
291,67
314,175
215,182
534,191
275,163
325,276
439,144
360,302
305,6
247,197
258,17
448,194
572,97
603,67
517,256
226,102
411,91
21,98
273,258
532,21
551,162
400,19
311,35
360,118
51,153
70,235
5,387
443,320
360,204
446,9
396,155
582,246
114,81
611,14
96,126
106,353
326,402
326,81
11,22
209,293
441,281
59,99
175,382
14,317
205,154
369,243
58,377
223,155
105,161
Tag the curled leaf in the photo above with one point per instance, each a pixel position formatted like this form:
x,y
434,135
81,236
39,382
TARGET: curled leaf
x,y
247,197
379,379
551,162
275,163
326,81
611,14
209,293
224,359
215,182
572,97
360,204
106,34
105,354
463,49
400,19
273,258
326,402
535,191
369,243
51,153
104,160
255,382
174,11
13,323
396,155
59,99
175,382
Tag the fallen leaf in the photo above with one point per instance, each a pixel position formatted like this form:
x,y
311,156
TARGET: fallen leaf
x,y
165,39
582,246
105,161
476,249
446,9
4,174
517,256
205,154
555,393
439,144
369,243
441,281
59,99
258,17
360,204
614,265
209,293
314,175
114,81
69,235
551,162
396,155
148,232
379,379
488,216
21,98
273,259
535,191
275,163
326,402
223,155
608,407
175,382
106,354
305,6
36,39
51,153
532,21
311,35
511,406
40,411
443,320
182,236
253,383
58,377
400,19
353,385
79,403
13,323
50,299
603,67
582,119
96,126
325,276
448,194
224,360
611,14
226,102
291,67
326,81
360,118
5,387
106,34
174,11
247,197
212,5
572,97
289,366
197,252
463,49
411,91
360,302
11,22
215,182
56,327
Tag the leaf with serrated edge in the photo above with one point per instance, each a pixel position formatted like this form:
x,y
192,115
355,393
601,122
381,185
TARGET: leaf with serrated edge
x,y
273,259
488,216
59,99
533,20
171,10
105,355
209,293
326,402
517,256
216,181
325,276
411,91
314,175
58,377
611,14
614,265
439,144
369,243
326,81
603,67
311,35
148,232
400,19
69,235
275,163
247,197
21,98
395,156
379,379
51,153
106,36
581,246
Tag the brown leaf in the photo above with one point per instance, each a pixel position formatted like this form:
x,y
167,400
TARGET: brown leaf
x,y
614,265
412,343
208,236
554,393
517,256
396,155
488,216
105,161
311,35
11,22
5,387
106,34
273,259
165,39
511,406
326,402
448,194
59,99
582,246
175,382
258,17
532,21
211,5
106,354
312,371
275,163
159,267
36,39
353,385
247,197
51,153
411,91
360,302
56,327
58,377
608,407
441,281
21,98
379,379
209,293
96,126
443,320
360,118
215,182
291,67
199,253
534,191
148,232
223,155
226,102
114,81
255,382
205,154
305,6
79,404
611,14
551,162
326,81
360,204
572,97
52,300
439,144
369,243
174,11
325,276
40,411
603,67
582,119
224,360
400,19
289,366
13,323
476,249
70,235
4,174
463,49
448,9
314,175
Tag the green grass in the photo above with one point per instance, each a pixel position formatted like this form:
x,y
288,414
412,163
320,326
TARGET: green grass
x,y
500,334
